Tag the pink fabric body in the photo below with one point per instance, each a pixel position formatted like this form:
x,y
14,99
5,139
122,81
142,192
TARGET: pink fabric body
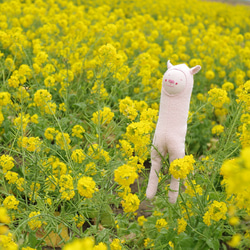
x,y
170,131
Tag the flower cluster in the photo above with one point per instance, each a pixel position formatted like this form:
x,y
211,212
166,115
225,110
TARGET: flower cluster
x,y
180,168
235,174
216,211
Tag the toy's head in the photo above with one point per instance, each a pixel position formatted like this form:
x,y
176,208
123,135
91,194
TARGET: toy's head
x,y
178,78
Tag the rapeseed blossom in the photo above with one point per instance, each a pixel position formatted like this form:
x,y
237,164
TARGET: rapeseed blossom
x,y
160,224
6,162
77,244
235,241
7,242
182,224
63,140
193,189
86,186
50,133
66,187
130,203
78,156
216,211
35,220
77,131
180,168
141,220
96,152
217,129
104,116
79,220
218,97
10,202
116,244
125,175
235,174
32,144
5,98
11,177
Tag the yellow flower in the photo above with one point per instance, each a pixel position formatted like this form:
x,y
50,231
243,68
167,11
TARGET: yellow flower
x,y
171,244
6,242
32,144
5,98
217,97
210,75
160,224
13,81
6,162
11,177
182,224
9,64
86,186
180,168
63,140
234,221
149,243
125,175
10,202
62,107
77,131
97,153
192,189
104,116
4,217
127,108
42,97
19,184
130,203
235,241
49,133
141,220
78,156
217,129
99,89
79,244
227,86
116,244
22,121
66,187
236,177
1,117
49,81
79,220
100,246
34,118
201,97
35,222
216,211
126,148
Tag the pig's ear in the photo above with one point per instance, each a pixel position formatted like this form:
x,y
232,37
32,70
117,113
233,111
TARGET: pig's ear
x,y
169,64
195,69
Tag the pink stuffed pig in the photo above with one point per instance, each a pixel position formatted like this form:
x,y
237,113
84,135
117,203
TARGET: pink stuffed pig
x,y
170,133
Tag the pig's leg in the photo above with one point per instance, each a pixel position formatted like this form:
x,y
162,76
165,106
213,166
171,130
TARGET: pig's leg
x,y
157,152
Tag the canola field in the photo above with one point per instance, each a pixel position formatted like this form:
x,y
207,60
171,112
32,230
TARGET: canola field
x,y
80,85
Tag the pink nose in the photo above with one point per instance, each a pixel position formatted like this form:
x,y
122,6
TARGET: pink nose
x,y
171,81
